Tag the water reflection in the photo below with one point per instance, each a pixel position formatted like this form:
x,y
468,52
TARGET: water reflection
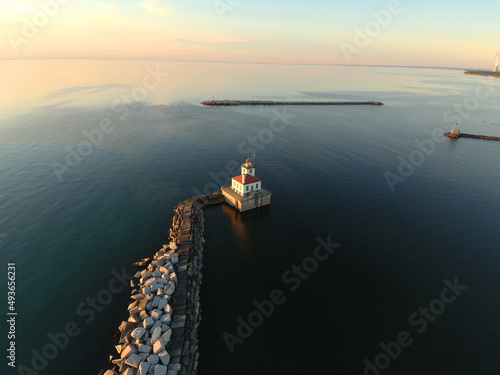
x,y
241,222
95,83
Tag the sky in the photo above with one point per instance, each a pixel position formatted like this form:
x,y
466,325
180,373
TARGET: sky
x,y
462,34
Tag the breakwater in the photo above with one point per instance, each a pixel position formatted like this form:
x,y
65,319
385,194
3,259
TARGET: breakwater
x,y
486,73
465,135
160,335
271,102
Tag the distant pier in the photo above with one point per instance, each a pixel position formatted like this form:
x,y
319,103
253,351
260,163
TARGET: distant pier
x,y
465,135
485,73
214,103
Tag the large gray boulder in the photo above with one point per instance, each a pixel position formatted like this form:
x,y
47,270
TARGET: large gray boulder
x,y
143,314
155,336
156,325
156,301
143,368
134,360
160,370
138,332
168,309
165,338
158,347
144,348
164,357
147,274
153,359
166,319
129,349
150,281
162,304
170,288
148,322
155,314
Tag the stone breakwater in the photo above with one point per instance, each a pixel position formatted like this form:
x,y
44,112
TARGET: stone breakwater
x,y
160,335
486,73
213,103
465,135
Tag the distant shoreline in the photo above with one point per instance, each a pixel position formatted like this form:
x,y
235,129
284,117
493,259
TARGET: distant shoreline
x,y
212,103
487,73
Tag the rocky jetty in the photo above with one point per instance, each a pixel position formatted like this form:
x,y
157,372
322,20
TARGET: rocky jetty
x,y
465,135
486,73
160,335
213,103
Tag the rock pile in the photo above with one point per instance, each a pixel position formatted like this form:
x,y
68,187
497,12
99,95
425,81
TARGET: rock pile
x,y
160,335
146,334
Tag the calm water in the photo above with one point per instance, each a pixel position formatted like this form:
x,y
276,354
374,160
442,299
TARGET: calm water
x,y
112,204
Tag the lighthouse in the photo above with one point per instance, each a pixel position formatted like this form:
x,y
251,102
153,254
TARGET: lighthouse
x,y
246,182
246,192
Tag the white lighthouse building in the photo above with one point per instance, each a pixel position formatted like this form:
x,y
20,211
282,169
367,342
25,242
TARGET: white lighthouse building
x,y
246,192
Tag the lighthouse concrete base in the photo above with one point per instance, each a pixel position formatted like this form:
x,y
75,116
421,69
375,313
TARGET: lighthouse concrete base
x,y
253,200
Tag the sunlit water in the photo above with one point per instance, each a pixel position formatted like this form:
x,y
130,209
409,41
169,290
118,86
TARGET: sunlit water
x,y
74,214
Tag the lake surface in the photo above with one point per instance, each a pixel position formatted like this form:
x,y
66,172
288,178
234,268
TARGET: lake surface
x,y
95,155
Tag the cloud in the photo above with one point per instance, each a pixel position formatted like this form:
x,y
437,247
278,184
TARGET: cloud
x,y
155,7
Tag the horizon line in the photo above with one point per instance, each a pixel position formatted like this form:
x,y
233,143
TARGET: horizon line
x,y
236,62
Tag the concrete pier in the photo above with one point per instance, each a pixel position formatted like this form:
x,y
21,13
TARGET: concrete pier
x,y
250,201
271,102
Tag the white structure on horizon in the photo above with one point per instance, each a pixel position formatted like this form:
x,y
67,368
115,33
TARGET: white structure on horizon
x,y
497,62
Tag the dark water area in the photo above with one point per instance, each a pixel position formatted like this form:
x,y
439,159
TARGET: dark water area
x,y
327,169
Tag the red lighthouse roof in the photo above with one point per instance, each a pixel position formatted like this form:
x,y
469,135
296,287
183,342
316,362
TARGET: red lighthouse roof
x,y
248,160
249,179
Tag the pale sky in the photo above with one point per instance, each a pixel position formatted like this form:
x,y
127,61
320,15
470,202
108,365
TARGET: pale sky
x,y
406,32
